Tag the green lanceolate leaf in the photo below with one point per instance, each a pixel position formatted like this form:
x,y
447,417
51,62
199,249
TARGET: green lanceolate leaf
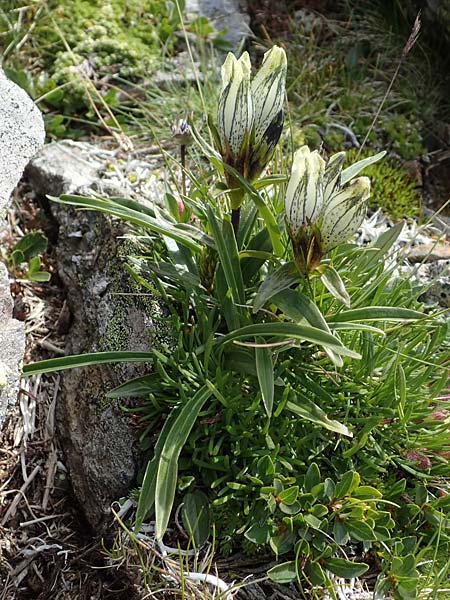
x,y
264,370
147,492
353,170
348,483
140,386
308,410
334,284
299,307
375,313
228,255
345,568
276,282
265,212
166,478
141,219
290,330
84,360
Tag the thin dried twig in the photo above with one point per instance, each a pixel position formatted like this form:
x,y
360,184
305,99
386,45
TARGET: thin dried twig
x,y
415,31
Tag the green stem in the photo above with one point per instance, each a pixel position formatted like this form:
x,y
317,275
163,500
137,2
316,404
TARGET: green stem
x,y
183,169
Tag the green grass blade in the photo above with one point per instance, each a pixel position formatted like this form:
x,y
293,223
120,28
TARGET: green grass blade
x,y
132,216
264,370
228,255
276,282
376,313
84,360
353,170
334,284
166,478
147,493
299,307
291,330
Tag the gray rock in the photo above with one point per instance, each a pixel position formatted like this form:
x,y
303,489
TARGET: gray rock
x,y
21,135
228,15
64,168
99,446
12,347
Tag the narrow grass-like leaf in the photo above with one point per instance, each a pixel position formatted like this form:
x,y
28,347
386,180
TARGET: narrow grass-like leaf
x,y
375,313
133,216
264,370
166,478
299,307
147,493
84,360
140,386
228,255
291,330
265,212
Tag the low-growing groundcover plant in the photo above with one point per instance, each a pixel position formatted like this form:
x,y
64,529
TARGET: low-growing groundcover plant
x,y
301,406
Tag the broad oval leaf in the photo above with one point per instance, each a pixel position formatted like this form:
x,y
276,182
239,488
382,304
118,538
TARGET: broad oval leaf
x,y
346,569
283,573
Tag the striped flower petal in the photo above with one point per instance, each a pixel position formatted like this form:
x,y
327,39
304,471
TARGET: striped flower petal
x,y
235,111
303,199
343,214
332,176
268,89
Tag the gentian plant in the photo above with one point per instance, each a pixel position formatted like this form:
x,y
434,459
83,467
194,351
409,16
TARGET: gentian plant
x,y
272,306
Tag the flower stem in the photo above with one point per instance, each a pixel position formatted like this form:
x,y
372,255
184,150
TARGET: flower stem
x,y
235,218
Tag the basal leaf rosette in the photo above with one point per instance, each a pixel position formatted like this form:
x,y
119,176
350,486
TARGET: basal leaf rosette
x,y
321,213
250,113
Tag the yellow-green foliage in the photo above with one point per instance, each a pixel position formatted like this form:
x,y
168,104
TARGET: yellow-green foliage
x,y
100,41
392,188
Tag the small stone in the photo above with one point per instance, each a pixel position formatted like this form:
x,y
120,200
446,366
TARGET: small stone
x,y
429,252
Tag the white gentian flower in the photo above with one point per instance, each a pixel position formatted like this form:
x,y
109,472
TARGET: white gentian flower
x,y
268,90
250,113
320,213
235,112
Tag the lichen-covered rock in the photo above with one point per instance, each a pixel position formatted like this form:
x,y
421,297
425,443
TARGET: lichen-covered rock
x,y
12,347
108,315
